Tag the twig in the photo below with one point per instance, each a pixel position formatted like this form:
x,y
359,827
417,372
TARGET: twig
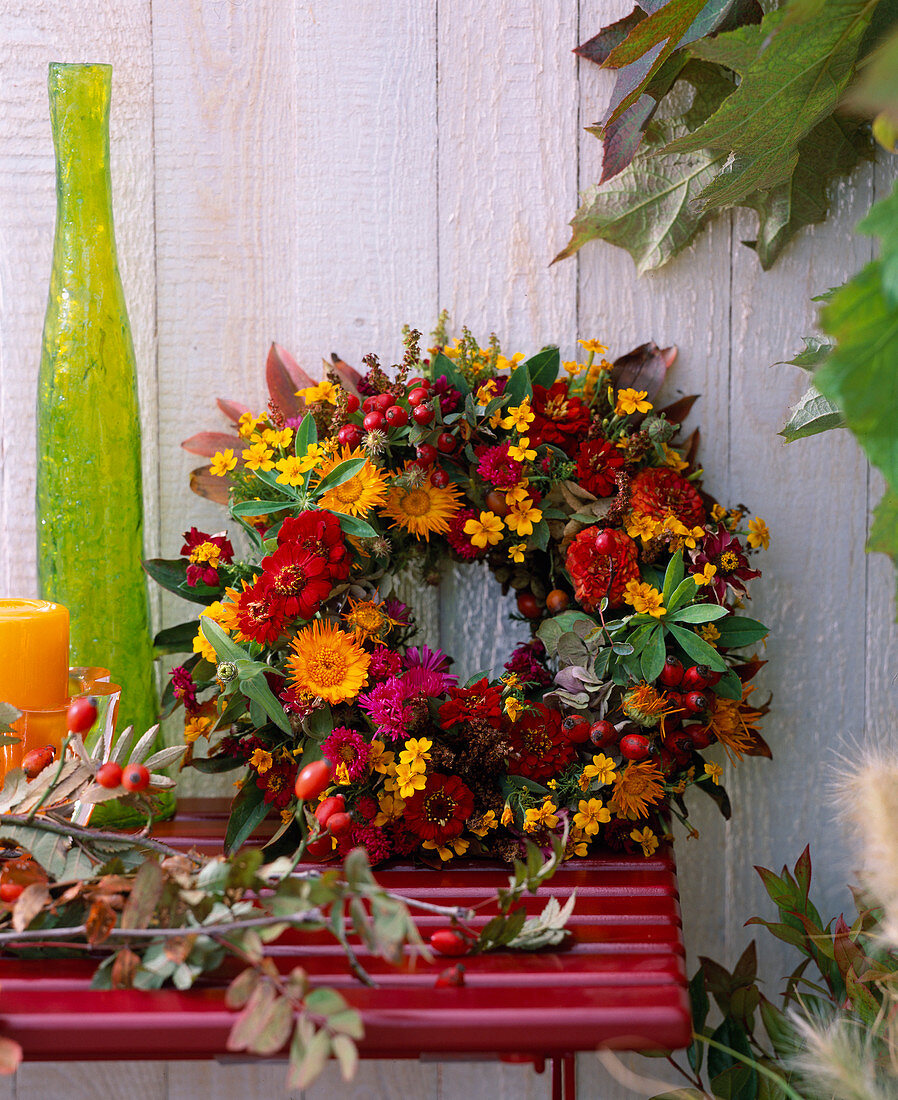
x,y
211,930
75,831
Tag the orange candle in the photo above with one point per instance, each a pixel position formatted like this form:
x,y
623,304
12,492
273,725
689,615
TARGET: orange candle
x,y
34,673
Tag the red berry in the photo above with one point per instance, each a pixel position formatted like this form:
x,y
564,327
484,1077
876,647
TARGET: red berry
x,y
672,673
9,891
497,503
675,700
313,779
605,542
603,734
396,416
330,806
368,404
373,421
576,728
422,414
700,736
415,383
427,454
416,396
557,600
451,976
528,605
440,479
680,744
634,746
712,677
695,678
109,775
338,824
81,715
349,435
352,403
383,401
696,702
446,941
445,443
34,761
319,848
135,777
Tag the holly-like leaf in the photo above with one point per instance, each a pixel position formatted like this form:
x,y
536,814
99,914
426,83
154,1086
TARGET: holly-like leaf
x,y
816,351
803,63
812,414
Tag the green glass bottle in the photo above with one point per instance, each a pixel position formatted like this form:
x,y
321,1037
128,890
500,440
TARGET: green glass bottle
x,y
89,493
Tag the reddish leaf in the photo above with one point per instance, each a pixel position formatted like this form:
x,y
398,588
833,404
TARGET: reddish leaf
x,y
100,922
207,443
145,894
677,411
803,872
757,746
749,669
124,968
207,485
643,368
600,45
284,377
233,410
349,376
29,903
10,1056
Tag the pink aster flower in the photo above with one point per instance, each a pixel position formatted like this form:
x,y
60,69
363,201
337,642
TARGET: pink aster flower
x,y
370,837
387,707
428,671
527,662
345,746
498,468
384,663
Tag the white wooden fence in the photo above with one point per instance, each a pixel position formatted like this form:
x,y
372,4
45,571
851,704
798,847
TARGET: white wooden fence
x,y
318,174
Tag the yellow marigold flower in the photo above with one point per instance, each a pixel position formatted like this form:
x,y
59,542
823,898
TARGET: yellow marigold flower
x,y
379,758
313,457
222,463
519,417
409,779
642,525
480,826
365,490
709,632
522,519
487,531
512,364
328,663
646,838
758,533
513,707
590,815
673,458
258,456
706,575
197,726
486,392
541,817
287,816
645,599
456,847
248,423
601,769
682,535
636,788
516,552
578,843
292,472
276,437
573,367
215,611
517,494
416,751
368,620
261,760
593,346
630,401
507,816
324,391
715,771
717,513
391,808
522,452
206,551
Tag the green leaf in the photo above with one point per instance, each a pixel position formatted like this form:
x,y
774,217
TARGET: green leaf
x,y
673,576
653,654
730,1034
347,1055
884,532
248,811
172,575
353,525
306,435
519,386
800,71
698,649
684,593
816,351
698,613
339,475
698,1000
225,649
738,631
812,414
176,639
729,686
443,365
543,367
882,222
261,507
257,689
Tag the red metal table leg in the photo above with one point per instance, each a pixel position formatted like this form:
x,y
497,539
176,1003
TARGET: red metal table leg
x,y
570,1077
556,1079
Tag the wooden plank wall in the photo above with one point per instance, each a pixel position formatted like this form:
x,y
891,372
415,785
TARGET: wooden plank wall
x,y
320,173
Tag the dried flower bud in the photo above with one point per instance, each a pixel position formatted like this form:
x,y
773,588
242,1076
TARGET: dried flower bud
x,y
226,672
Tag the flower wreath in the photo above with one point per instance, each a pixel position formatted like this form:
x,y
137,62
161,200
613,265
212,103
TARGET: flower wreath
x,y
578,494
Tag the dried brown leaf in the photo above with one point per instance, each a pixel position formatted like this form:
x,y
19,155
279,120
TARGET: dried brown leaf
x,y
100,922
31,901
124,967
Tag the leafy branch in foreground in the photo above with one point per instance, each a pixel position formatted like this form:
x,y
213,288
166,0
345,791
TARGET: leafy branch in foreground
x,y
753,115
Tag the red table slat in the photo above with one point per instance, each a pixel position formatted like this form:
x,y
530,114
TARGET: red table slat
x,y
621,982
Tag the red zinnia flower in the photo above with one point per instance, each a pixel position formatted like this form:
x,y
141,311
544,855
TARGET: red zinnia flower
x,y
205,553
595,574
257,618
480,700
277,783
558,418
724,551
295,580
440,811
320,534
597,461
540,746
658,490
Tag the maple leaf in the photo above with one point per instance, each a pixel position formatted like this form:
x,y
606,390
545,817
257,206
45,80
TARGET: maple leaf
x,y
801,67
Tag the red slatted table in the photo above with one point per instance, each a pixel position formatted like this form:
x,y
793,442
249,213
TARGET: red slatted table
x,y
621,983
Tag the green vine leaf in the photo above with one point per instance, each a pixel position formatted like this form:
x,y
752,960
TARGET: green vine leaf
x,y
812,414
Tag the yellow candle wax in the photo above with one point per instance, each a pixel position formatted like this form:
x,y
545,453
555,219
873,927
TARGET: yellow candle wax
x,y
34,654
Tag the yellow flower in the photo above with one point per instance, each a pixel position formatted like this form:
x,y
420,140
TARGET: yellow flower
x,y
423,510
324,391
258,457
517,494
391,807
512,364
519,417
602,769
516,552
313,457
480,826
642,525
513,707
706,575
590,815
594,346
378,757
446,851
630,401
673,459
261,760
646,838
197,726
486,531
222,463
276,437
522,519
637,788
715,771
215,611
368,620
709,632
541,817
523,452
206,551
573,367
363,491
328,663
645,599
417,750
409,778
717,513
287,816
248,423
507,816
486,392
758,533
292,472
